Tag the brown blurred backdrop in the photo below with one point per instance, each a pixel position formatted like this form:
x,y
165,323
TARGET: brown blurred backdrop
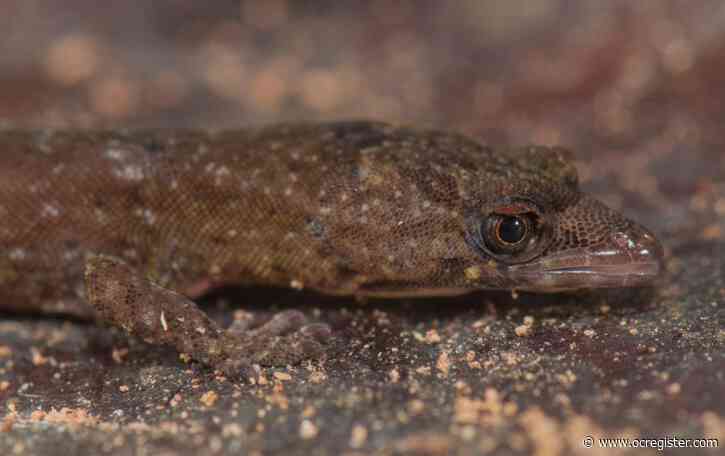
x,y
547,71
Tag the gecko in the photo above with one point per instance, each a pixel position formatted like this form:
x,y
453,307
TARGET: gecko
x,y
129,227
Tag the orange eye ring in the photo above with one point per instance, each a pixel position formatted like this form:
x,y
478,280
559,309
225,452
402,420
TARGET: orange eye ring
x,y
508,234
511,229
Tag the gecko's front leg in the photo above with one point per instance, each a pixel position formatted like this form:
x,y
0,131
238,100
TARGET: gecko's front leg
x,y
124,298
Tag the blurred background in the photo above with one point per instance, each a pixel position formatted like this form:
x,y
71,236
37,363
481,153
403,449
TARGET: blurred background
x,y
546,71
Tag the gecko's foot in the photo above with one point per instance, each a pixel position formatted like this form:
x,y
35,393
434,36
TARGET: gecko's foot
x,y
126,299
285,339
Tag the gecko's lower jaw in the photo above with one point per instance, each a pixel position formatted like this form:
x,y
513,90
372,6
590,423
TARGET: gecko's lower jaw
x,y
626,260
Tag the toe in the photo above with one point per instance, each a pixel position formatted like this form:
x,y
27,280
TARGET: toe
x,y
281,324
318,331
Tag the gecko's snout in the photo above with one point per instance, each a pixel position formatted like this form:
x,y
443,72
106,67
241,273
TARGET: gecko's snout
x,y
636,256
629,258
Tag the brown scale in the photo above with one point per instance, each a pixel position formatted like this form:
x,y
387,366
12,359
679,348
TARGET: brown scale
x,y
128,227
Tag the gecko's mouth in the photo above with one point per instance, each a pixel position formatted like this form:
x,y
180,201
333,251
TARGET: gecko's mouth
x,y
625,261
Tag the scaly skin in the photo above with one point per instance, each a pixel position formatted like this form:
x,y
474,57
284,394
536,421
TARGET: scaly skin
x,y
151,219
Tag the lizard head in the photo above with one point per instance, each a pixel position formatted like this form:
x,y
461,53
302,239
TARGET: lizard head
x,y
458,216
538,232
439,214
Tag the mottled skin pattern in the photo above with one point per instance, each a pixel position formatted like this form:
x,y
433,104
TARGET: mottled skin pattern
x,y
355,208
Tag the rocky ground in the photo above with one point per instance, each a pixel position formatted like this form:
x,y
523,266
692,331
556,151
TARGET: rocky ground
x,y
635,88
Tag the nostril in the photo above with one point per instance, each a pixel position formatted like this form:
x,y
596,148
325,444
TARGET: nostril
x,y
624,241
640,245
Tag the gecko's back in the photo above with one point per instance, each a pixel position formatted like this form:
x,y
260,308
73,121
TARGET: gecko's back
x,y
60,197
190,208
344,208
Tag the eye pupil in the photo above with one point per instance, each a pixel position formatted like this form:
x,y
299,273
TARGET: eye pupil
x,y
509,234
511,230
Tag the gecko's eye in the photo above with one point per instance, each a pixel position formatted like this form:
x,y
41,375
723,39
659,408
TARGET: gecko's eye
x,y
508,234
511,231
